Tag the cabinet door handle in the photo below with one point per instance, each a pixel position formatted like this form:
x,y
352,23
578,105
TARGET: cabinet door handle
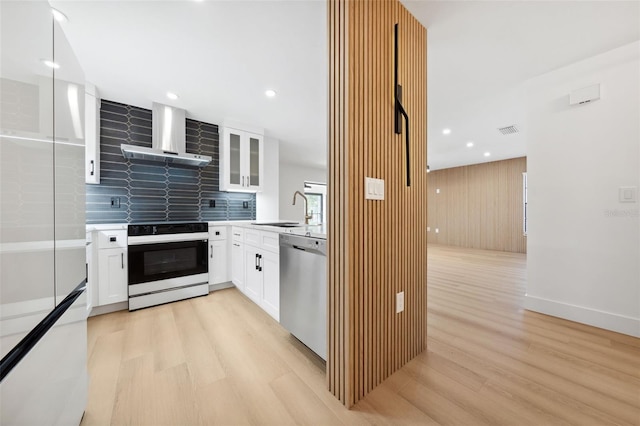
x,y
237,245
122,259
257,264
92,168
260,262
242,180
211,253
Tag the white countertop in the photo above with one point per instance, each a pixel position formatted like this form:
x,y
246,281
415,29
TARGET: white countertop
x,y
314,231
106,226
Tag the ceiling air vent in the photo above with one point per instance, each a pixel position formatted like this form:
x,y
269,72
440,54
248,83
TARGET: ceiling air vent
x,y
509,130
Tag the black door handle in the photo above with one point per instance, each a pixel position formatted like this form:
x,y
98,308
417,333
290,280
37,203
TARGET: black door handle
x,y
260,262
257,266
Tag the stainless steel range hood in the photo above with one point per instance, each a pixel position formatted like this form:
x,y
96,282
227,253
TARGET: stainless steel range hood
x,y
168,143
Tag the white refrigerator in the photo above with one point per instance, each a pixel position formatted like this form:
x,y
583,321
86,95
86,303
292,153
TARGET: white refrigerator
x,y
43,314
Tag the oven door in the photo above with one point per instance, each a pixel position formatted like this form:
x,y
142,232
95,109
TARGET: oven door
x,y
161,261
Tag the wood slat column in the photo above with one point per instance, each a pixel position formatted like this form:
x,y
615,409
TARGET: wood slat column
x,y
376,248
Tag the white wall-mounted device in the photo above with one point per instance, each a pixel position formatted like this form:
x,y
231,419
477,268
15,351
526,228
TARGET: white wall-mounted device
x,y
584,95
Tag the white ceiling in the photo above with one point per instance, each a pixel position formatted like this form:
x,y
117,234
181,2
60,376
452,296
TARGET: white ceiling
x,y
220,57
480,53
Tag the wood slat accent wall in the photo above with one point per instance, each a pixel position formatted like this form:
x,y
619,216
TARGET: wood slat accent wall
x,y
479,206
376,248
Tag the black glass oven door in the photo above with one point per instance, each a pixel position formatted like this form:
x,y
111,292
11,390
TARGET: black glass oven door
x,y
154,262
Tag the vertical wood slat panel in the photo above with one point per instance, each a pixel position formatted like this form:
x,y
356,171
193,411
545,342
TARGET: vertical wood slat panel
x,y
376,248
479,206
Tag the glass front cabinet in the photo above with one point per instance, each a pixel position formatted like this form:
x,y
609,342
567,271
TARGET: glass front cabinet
x,y
241,161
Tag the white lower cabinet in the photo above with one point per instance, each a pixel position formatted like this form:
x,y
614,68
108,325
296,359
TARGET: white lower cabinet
x,y
271,284
218,269
112,267
253,274
218,262
237,264
262,274
112,276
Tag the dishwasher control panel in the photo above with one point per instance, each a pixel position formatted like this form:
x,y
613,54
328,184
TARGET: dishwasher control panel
x,y
304,243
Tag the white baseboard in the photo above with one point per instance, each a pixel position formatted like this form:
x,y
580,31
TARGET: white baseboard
x,y
608,321
107,309
214,287
124,306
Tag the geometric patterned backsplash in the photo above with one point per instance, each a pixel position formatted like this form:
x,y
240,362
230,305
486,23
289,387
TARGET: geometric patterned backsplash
x,y
132,191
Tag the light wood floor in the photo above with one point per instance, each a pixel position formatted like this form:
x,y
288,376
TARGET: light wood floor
x,y
221,360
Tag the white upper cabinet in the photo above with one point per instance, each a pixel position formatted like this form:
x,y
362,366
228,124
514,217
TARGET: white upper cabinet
x,y
241,161
92,134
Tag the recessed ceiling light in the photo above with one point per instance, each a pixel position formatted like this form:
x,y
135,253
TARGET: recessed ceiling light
x,y
172,96
469,144
446,131
50,64
486,154
59,16
270,93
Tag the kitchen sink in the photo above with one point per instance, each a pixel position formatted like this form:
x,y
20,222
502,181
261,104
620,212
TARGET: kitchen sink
x,y
279,224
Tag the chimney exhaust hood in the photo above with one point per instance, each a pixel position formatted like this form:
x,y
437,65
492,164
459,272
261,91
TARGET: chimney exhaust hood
x,y
168,142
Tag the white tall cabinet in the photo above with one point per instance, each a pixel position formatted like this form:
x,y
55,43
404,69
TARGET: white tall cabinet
x,y
241,160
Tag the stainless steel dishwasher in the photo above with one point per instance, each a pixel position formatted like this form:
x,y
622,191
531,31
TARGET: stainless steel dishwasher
x,y
303,290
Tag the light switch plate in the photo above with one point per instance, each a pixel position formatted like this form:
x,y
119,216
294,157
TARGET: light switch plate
x,y
628,194
373,189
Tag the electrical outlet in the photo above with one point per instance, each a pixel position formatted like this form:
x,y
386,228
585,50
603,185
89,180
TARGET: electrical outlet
x,y
245,204
212,203
399,302
115,202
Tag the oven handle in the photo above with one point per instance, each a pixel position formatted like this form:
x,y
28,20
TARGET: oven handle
x,y
168,238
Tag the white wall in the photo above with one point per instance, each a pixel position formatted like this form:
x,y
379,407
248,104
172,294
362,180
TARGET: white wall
x,y
583,244
292,177
268,200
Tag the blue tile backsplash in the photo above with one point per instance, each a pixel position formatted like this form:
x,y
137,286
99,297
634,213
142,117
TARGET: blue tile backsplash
x,y
145,191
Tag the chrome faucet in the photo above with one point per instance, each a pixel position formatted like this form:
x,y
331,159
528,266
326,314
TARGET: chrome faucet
x,y
307,216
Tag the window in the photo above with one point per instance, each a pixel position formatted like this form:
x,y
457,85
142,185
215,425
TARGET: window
x,y
316,194
316,207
